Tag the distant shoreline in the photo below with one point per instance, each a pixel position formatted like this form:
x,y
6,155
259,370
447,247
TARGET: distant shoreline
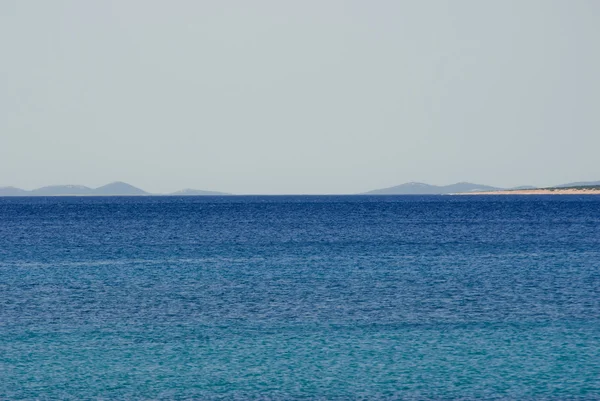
x,y
539,191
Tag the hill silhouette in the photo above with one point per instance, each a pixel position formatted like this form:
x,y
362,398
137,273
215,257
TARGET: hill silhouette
x,y
57,190
579,184
13,191
419,188
119,188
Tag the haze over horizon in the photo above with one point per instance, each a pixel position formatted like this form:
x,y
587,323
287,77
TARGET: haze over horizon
x,y
298,97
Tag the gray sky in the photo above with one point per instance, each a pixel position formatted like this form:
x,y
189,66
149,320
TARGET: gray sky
x,y
303,96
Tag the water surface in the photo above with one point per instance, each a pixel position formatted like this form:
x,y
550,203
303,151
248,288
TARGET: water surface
x,y
283,298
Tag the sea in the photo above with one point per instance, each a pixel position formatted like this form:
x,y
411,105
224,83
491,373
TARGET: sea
x,y
300,298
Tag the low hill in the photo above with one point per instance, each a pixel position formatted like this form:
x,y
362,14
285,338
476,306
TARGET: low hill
x,y
13,191
58,190
115,188
419,188
119,188
578,184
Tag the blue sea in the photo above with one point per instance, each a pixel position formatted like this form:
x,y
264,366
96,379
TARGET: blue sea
x,y
300,298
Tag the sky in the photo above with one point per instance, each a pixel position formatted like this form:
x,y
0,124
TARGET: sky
x,y
298,97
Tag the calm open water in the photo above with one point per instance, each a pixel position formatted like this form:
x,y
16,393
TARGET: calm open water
x,y
283,298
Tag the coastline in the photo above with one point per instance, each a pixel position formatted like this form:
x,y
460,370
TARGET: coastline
x,y
540,191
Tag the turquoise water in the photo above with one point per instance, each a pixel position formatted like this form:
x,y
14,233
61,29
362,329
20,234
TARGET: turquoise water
x,y
283,298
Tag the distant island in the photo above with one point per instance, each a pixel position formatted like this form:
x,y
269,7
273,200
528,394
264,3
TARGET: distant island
x,y
420,188
113,189
411,188
567,190
467,188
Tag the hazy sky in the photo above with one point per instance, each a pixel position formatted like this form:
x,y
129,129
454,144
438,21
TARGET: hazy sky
x,y
303,96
